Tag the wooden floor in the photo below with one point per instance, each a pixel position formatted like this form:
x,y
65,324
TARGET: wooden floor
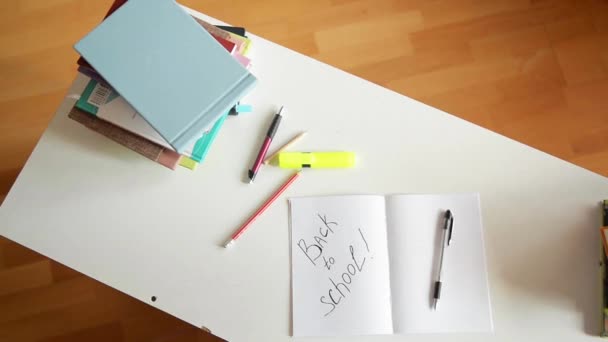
x,y
533,70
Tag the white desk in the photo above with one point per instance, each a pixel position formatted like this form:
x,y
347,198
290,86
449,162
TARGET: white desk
x,y
95,206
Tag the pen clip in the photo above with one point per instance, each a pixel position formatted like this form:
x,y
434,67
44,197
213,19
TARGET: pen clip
x,y
449,224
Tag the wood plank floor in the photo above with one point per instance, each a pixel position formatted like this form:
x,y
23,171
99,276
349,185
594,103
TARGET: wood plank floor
x,y
533,70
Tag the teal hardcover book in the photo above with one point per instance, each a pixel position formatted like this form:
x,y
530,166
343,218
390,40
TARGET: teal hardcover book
x,y
172,71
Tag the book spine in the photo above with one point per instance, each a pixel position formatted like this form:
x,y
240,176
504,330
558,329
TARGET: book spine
x,y
211,114
130,140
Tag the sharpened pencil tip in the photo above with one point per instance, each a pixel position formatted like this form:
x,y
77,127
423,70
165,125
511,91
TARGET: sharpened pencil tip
x,y
434,304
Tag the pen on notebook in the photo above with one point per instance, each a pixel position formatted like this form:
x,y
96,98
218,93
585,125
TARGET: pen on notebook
x,y
264,148
445,242
261,210
284,147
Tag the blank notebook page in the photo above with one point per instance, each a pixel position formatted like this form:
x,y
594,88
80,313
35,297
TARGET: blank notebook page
x,y
414,237
167,67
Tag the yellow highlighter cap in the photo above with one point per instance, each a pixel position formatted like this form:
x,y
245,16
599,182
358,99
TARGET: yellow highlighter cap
x,y
316,160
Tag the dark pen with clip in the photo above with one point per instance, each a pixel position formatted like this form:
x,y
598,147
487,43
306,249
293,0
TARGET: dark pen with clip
x,y
264,148
446,239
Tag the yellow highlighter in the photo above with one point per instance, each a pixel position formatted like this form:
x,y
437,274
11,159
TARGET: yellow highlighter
x,y
316,160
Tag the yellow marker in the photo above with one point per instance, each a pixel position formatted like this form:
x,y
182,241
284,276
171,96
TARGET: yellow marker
x,y
316,160
188,163
284,147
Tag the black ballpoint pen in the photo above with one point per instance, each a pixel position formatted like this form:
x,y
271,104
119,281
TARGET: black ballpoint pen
x,y
445,242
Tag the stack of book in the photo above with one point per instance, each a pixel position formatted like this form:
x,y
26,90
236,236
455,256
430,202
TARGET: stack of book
x,y
161,81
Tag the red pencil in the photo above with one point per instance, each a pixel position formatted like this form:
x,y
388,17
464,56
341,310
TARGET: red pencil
x,y
261,210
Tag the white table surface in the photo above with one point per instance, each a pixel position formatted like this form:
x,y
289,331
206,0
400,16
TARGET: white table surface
x,y
103,210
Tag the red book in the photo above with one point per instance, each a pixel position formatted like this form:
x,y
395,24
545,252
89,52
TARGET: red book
x,y
229,46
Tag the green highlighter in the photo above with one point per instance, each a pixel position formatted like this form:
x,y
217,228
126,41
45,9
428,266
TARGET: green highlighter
x,y
316,160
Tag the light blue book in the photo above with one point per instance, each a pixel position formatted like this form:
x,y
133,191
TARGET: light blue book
x,y
172,71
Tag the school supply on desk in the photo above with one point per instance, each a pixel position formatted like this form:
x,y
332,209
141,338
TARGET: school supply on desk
x,y
190,81
239,52
188,163
276,121
240,108
84,65
243,44
604,237
105,103
603,273
446,239
366,265
316,160
284,147
145,147
101,100
261,210
219,32
236,30
228,45
202,146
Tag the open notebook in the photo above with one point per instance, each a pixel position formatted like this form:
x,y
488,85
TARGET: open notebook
x,y
366,265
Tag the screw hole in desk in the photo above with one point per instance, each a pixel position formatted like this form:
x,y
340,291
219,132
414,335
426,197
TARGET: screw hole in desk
x,y
153,298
